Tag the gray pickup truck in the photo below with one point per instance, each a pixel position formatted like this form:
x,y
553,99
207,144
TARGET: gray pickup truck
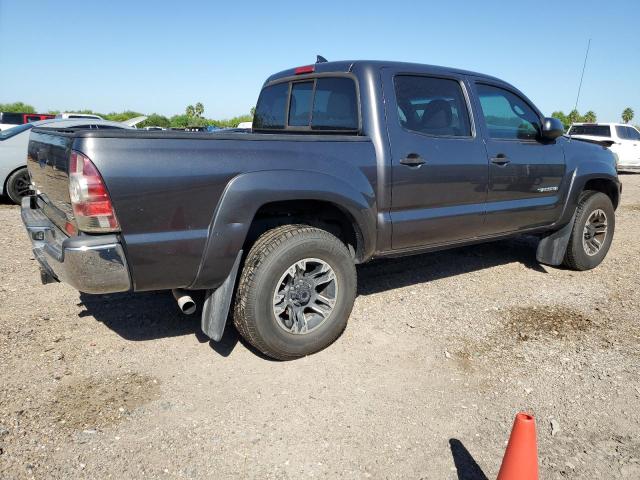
x,y
346,162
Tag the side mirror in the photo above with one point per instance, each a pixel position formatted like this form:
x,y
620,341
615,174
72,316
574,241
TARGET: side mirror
x,y
552,128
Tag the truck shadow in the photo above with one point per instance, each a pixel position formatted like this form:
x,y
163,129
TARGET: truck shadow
x,y
153,315
141,316
148,316
6,202
466,467
392,273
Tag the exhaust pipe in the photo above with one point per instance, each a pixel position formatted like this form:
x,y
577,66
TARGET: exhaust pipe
x,y
185,302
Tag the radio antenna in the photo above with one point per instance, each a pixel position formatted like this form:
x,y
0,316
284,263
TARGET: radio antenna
x,y
584,66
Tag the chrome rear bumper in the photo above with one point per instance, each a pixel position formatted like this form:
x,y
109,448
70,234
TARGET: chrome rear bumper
x,y
90,264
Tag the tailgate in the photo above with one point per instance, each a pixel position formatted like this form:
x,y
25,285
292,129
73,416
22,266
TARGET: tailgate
x,y
48,164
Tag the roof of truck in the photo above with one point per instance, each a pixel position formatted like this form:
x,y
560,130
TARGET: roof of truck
x,y
349,65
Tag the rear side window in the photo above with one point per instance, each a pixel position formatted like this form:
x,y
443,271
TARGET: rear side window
x,y
622,132
633,134
433,106
320,104
627,133
271,108
591,130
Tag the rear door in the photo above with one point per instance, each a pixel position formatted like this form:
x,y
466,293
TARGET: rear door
x,y
525,173
439,165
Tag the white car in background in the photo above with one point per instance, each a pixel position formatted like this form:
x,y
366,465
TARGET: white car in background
x,y
68,115
624,139
14,177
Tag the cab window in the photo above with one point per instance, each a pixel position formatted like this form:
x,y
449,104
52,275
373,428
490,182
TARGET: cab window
x,y
328,104
432,106
271,108
633,134
506,115
300,106
335,105
627,133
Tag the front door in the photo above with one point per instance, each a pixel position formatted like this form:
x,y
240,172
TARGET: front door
x,y
439,165
525,173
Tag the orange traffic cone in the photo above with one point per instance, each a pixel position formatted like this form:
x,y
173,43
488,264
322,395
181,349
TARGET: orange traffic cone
x,y
520,460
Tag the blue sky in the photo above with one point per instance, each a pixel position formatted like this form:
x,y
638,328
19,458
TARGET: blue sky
x,y
163,55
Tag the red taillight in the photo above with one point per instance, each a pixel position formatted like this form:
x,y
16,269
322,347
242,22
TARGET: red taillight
x,y
90,200
305,69
70,228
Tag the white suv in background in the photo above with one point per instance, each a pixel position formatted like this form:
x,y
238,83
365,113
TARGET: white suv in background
x,y
66,116
625,140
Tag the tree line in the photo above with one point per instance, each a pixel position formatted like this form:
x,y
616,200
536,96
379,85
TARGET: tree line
x,y
192,117
589,117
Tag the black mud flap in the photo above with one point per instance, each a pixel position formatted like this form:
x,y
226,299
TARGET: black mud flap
x,y
553,247
217,303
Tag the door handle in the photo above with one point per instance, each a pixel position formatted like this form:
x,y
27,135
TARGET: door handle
x,y
413,160
500,160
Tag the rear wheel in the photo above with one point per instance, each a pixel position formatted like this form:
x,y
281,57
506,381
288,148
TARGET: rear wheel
x,y
18,185
296,291
592,232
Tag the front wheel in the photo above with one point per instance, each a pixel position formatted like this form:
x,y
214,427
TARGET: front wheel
x,y
296,291
592,232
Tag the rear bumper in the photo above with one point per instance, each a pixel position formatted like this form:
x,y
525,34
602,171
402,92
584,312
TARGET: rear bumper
x,y
90,264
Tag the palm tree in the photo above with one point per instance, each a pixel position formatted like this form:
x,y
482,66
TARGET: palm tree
x,y
627,115
590,117
573,117
190,111
199,109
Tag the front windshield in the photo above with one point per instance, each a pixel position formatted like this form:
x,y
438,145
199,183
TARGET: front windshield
x,y
10,132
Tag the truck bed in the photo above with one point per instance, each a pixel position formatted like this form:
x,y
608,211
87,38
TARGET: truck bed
x,y
166,186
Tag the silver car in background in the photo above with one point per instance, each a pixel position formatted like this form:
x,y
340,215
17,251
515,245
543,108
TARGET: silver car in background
x,y
14,177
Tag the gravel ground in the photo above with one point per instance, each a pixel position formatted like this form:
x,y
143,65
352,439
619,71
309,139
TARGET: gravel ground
x,y
441,351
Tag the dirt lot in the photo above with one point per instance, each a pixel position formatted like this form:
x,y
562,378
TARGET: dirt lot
x,y
440,353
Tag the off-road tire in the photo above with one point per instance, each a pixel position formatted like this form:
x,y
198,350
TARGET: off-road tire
x,y
576,257
270,256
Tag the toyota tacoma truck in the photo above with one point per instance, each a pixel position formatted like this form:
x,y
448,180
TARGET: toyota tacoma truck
x,y
346,162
